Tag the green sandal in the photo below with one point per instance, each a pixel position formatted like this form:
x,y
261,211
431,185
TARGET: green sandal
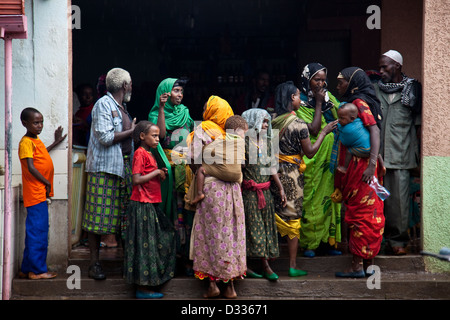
x,y
254,275
272,277
296,272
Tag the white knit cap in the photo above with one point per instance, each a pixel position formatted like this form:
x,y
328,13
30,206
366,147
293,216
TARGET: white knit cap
x,y
394,55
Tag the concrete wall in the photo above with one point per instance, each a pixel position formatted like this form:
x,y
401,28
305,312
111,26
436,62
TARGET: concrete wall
x,y
41,80
435,133
420,30
401,30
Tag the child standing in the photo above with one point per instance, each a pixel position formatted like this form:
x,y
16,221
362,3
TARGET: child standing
x,y
149,254
37,181
261,229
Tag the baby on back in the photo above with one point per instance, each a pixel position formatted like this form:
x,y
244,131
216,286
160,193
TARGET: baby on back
x,y
353,134
222,158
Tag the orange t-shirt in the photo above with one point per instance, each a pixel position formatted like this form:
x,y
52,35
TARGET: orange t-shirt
x,y
34,190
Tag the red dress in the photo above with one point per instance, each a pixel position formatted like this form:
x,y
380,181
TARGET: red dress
x,y
364,213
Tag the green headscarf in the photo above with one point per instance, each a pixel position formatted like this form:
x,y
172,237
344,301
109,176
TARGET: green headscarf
x,y
176,116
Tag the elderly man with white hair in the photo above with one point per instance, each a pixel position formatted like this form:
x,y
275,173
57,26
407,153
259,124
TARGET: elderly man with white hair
x,y
108,165
401,100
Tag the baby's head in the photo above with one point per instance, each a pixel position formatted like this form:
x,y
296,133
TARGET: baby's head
x,y
238,124
347,113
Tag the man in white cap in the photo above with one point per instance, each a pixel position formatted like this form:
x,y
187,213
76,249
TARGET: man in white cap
x,y
401,101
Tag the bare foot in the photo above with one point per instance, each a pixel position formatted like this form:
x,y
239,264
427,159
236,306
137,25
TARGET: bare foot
x,y
230,293
213,290
110,240
198,198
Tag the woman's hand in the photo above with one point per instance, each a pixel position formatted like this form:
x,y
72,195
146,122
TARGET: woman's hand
x,y
330,127
368,173
163,99
283,198
319,95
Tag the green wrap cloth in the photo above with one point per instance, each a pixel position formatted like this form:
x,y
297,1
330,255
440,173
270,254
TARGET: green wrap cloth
x,y
321,220
176,116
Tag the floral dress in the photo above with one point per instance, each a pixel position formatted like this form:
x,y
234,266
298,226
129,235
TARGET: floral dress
x,y
364,209
290,177
218,246
262,238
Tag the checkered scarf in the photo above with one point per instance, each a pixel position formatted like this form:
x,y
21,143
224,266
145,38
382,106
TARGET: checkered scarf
x,y
404,86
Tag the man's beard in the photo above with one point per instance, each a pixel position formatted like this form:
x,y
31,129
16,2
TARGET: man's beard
x,y
127,97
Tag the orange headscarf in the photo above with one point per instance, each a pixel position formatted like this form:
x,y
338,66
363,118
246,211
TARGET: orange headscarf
x,y
216,114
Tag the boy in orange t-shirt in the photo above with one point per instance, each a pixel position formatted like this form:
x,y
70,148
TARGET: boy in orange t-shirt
x,y
37,181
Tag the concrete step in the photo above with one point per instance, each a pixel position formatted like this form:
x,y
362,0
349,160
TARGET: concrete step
x,y
112,261
410,286
401,277
114,287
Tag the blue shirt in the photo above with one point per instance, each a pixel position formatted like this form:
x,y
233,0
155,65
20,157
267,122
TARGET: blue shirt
x,y
103,155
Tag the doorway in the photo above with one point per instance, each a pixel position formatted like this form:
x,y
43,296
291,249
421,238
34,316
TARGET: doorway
x,y
218,45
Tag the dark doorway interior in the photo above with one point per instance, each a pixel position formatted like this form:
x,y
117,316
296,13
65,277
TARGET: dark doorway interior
x,y
218,44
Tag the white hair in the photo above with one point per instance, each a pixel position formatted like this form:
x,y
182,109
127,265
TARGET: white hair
x,y
115,78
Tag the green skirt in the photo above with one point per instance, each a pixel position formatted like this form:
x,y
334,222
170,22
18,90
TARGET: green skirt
x,y
261,229
107,197
149,248
102,210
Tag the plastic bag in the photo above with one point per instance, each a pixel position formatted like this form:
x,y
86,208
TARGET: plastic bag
x,y
381,191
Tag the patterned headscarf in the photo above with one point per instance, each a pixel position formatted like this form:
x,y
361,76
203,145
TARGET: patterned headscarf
x,y
255,118
307,96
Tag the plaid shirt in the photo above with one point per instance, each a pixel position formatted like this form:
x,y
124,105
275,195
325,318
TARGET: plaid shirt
x,y
103,155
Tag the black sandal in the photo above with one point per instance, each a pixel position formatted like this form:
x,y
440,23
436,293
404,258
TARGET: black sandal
x,y
96,272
